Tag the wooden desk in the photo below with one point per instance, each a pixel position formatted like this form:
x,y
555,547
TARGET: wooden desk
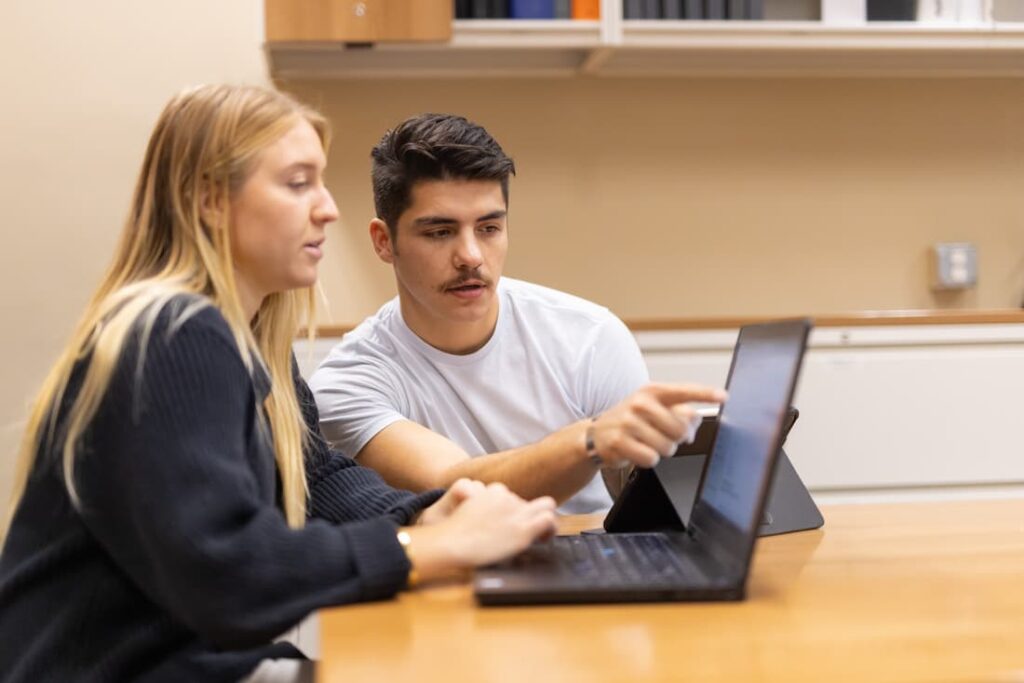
x,y
895,592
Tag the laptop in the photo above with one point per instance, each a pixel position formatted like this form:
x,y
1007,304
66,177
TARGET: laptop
x,y
662,498
710,558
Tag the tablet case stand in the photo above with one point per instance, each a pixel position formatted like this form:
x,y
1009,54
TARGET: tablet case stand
x,y
645,505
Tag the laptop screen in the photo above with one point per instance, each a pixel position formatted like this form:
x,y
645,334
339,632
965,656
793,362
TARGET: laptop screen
x,y
761,383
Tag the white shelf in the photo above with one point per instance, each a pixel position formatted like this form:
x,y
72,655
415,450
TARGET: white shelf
x,y
477,48
488,48
522,33
812,49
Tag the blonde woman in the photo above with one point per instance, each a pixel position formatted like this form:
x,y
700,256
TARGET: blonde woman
x,y
176,507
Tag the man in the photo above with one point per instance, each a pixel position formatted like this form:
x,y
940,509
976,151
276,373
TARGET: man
x,y
468,374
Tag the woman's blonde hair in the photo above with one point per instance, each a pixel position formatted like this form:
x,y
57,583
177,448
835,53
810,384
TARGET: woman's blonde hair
x,y
204,146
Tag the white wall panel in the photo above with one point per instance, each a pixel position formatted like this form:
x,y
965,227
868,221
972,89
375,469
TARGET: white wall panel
x,y
888,406
880,407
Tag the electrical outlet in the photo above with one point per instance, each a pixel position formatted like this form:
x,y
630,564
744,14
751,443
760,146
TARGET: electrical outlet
x,y
844,12
955,265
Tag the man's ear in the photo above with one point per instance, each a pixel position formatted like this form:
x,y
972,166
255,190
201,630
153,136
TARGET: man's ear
x,y
382,243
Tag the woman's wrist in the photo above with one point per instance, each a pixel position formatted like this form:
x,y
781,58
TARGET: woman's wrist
x,y
405,540
431,555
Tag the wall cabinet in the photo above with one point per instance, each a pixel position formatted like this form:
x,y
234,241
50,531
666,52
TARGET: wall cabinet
x,y
357,21
612,46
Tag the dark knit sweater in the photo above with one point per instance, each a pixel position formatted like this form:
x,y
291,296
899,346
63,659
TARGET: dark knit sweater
x,y
179,565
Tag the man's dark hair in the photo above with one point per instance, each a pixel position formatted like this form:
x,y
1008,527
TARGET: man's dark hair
x,y
432,147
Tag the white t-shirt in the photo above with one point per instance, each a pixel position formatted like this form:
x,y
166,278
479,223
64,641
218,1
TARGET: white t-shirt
x,y
553,359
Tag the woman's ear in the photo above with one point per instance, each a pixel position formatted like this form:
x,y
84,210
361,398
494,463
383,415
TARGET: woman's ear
x,y
380,235
212,207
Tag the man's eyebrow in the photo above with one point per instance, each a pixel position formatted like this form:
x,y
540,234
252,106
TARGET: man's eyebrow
x,y
434,220
428,221
493,215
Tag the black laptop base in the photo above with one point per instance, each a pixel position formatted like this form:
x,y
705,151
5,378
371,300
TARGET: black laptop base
x,y
553,568
589,595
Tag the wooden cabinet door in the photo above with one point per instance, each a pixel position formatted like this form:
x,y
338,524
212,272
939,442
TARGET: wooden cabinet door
x,y
358,21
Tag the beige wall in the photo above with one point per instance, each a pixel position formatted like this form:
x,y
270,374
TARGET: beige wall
x,y
658,198
712,197
84,82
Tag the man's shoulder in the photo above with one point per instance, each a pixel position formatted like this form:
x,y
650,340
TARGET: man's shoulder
x,y
361,380
375,335
372,347
533,300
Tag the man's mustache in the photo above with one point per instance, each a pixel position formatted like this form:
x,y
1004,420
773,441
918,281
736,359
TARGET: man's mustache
x,y
464,278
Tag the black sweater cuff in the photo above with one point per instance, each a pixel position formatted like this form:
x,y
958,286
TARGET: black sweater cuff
x,y
379,557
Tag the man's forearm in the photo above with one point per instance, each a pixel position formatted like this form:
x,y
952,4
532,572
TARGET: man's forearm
x,y
555,466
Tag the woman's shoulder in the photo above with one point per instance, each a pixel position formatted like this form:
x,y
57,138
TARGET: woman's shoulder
x,y
182,341
184,326
185,315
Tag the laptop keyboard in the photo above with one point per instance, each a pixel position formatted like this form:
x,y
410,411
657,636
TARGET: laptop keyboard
x,y
614,559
